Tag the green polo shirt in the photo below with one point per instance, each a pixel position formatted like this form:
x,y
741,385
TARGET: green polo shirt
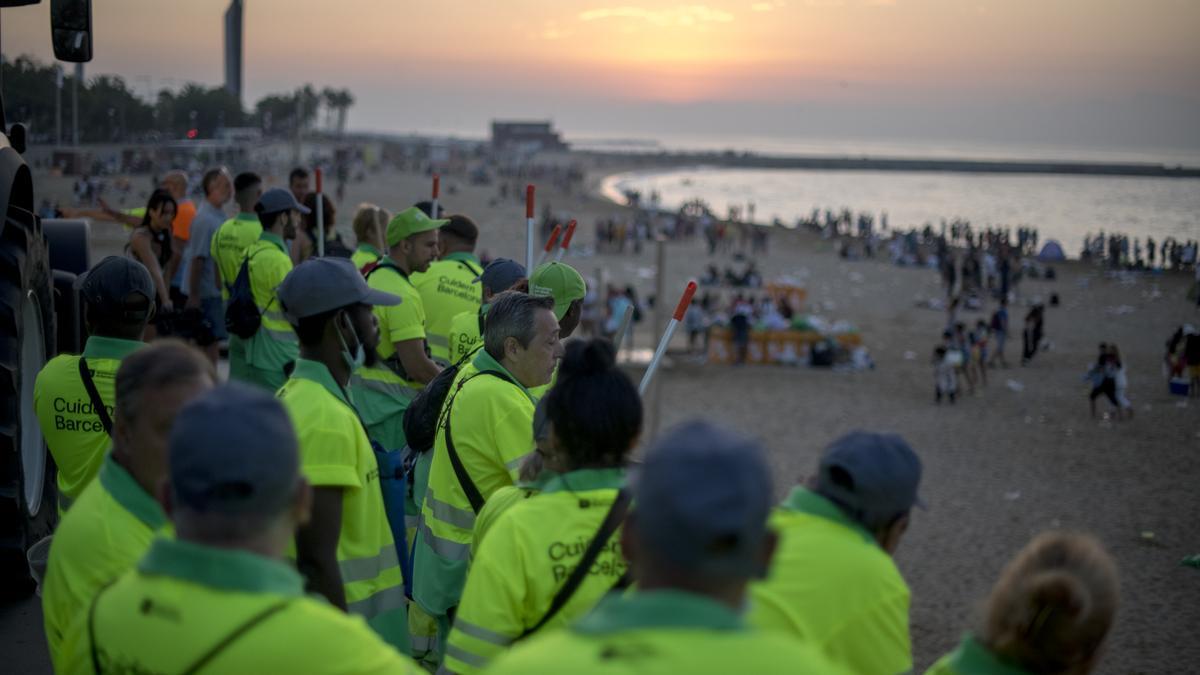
x,y
102,537
229,244
532,549
335,453
185,600
662,631
971,657
448,288
833,586
73,431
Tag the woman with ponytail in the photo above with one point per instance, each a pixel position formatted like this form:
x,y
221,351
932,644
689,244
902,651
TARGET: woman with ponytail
x,y
1047,615
523,576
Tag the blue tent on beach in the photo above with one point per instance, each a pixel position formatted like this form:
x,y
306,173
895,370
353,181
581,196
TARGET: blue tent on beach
x,y
1052,252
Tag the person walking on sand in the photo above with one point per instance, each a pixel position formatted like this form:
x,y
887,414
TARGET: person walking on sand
x,y
944,378
1034,326
999,329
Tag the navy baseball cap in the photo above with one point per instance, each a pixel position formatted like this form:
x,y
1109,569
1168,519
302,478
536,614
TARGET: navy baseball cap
x,y
322,284
233,450
278,199
702,499
873,477
110,282
501,274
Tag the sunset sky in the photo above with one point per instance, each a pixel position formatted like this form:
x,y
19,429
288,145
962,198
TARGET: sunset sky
x,y
1063,73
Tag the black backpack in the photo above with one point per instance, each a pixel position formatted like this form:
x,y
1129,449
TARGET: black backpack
x,y
421,417
242,317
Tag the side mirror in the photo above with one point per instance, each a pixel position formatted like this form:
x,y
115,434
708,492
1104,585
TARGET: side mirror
x,y
71,30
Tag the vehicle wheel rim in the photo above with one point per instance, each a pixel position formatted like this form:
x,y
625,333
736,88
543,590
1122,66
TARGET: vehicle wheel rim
x,y
33,357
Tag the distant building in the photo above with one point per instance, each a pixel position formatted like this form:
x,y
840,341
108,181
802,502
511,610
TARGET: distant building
x,y
233,48
525,137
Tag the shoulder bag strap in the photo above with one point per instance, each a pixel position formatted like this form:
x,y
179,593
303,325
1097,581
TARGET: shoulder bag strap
x,y
85,374
233,636
91,628
470,269
460,471
612,520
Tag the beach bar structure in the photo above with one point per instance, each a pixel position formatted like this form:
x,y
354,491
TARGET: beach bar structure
x,y
525,137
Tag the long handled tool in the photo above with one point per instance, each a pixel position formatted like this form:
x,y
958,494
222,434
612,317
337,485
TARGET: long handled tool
x,y
320,216
680,309
549,245
529,228
437,184
566,242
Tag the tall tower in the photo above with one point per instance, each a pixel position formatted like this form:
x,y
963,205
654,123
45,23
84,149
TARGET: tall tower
x,y
233,48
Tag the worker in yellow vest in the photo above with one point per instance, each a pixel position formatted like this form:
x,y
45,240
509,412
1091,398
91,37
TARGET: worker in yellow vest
x,y
228,250
346,552
369,224
219,597
549,558
117,515
840,533
450,286
73,394
485,435
698,535
267,353
466,329
383,391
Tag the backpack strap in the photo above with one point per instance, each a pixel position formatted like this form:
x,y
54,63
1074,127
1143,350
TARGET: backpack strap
x,y
460,471
237,633
469,268
85,374
612,520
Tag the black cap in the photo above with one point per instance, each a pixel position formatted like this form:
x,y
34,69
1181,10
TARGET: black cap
x,y
110,282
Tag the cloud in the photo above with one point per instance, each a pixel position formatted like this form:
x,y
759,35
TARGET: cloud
x,y
682,16
767,6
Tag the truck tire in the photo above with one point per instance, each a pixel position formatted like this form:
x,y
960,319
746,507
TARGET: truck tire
x,y
28,491
69,242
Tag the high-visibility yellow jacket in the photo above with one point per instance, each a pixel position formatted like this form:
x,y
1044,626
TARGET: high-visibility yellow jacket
x,y
261,358
663,631
492,423
73,431
229,244
448,288
335,452
833,586
241,612
971,657
111,527
526,558
364,254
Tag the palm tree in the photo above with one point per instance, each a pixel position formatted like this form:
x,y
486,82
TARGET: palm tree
x,y
341,102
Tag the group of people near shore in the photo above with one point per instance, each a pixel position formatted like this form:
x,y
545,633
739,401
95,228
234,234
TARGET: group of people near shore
x,y
409,471
1118,251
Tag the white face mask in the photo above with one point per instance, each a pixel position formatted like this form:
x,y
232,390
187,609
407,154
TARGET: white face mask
x,y
359,357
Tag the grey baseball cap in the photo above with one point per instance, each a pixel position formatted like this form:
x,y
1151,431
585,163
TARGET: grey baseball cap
x,y
233,450
501,274
702,500
278,199
873,477
322,284
108,284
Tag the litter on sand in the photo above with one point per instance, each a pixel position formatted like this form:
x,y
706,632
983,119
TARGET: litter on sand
x,y
1014,385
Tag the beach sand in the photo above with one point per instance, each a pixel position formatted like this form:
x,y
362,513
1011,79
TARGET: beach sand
x,y
1000,466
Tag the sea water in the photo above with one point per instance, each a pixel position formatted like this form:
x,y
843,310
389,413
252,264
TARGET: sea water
x,y
1061,207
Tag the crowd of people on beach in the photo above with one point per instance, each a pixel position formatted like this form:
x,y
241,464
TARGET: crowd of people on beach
x,y
1116,251
410,470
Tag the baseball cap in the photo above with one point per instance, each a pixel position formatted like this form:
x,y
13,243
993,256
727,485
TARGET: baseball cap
x,y
501,274
233,450
873,477
560,281
109,282
411,221
322,284
278,199
703,496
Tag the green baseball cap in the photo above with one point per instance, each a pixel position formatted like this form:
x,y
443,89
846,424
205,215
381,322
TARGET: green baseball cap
x,y
409,222
559,281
